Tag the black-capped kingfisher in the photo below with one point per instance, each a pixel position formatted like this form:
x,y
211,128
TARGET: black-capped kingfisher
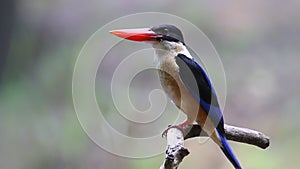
x,y
184,81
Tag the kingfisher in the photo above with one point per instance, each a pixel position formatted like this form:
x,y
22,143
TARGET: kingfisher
x,y
184,81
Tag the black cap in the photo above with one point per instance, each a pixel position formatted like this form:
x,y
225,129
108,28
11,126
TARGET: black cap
x,y
169,32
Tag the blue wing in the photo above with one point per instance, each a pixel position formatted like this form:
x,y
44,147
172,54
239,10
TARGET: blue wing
x,y
197,82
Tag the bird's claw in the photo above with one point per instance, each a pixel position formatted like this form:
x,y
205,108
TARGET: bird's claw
x,y
180,127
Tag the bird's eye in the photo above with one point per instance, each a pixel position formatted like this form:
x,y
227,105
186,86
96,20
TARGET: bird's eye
x,y
166,30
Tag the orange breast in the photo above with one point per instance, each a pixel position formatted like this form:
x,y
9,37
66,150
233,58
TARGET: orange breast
x,y
171,87
185,101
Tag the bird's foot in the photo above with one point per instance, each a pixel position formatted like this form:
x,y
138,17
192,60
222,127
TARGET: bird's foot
x,y
183,127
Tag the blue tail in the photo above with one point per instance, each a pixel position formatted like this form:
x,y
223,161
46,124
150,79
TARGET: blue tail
x,y
228,152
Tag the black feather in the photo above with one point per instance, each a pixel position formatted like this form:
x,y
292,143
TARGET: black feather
x,y
197,82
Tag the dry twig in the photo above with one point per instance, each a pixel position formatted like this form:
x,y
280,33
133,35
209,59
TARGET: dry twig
x,y
175,142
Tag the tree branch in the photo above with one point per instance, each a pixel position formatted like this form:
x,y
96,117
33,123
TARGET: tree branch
x,y
175,149
238,134
175,142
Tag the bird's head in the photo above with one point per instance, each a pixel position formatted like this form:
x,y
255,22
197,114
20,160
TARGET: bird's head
x,y
162,36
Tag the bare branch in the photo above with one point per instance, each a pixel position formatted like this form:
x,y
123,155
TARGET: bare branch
x,y
175,142
175,149
238,134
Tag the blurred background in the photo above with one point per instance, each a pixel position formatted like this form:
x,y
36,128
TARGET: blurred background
x,y
258,43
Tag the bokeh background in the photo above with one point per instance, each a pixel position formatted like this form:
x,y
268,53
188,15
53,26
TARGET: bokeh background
x,y
258,43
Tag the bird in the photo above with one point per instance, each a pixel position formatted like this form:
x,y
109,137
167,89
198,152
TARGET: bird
x,y
184,81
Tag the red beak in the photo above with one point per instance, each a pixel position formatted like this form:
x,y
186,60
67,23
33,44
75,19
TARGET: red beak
x,y
143,34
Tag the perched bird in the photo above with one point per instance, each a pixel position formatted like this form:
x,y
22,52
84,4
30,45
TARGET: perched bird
x,y
184,81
